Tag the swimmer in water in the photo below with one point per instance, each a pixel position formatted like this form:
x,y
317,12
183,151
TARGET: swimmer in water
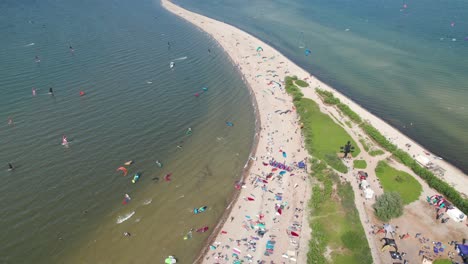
x,y
64,140
51,91
34,91
37,59
71,49
10,121
10,166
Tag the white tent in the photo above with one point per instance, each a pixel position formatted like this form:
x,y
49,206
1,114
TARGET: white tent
x,y
369,193
424,161
364,184
456,215
426,260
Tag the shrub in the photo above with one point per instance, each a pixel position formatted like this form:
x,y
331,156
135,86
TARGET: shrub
x,y
376,152
388,205
302,83
350,113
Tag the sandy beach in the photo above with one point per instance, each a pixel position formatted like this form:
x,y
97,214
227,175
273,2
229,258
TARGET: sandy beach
x,y
270,198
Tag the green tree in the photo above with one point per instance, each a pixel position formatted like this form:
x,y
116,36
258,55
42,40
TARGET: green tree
x,y
388,205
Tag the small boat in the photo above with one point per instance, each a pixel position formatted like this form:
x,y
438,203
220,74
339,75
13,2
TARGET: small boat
x,y
128,163
200,210
202,230
171,65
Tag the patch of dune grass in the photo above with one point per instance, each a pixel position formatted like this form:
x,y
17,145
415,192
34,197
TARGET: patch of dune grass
x,y
393,180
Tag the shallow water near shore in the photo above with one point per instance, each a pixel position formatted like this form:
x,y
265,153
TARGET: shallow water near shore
x,y
407,64
64,205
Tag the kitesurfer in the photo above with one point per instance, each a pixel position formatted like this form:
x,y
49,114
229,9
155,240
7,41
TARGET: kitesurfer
x,y
159,164
127,199
37,59
34,91
71,49
51,91
10,121
127,234
10,166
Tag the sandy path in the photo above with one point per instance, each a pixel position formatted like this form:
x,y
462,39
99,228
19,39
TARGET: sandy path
x,y
264,72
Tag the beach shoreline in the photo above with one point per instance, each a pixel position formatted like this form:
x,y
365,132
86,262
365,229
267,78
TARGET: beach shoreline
x,y
245,171
240,48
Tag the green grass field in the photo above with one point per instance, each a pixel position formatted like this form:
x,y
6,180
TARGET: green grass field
x,y
323,136
360,164
442,261
335,223
334,218
393,180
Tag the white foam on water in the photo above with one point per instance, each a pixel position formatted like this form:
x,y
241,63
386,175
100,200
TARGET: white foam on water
x,y
124,218
181,58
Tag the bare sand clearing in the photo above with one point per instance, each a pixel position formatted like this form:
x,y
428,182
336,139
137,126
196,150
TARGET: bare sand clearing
x,y
264,190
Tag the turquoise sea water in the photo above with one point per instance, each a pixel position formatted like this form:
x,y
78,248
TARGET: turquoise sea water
x,y
406,65
64,205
